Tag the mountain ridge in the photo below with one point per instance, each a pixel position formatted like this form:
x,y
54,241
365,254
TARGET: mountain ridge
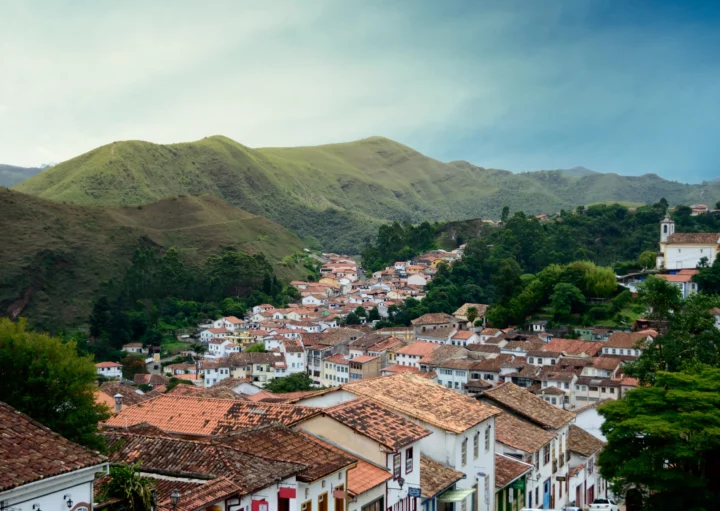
x,y
338,193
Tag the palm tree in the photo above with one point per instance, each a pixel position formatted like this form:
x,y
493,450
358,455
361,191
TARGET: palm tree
x,y
472,314
126,483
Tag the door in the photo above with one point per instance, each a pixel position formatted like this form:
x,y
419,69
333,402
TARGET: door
x,y
546,494
590,495
339,503
283,504
578,496
322,502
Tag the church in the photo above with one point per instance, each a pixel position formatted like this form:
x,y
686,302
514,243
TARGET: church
x,y
684,250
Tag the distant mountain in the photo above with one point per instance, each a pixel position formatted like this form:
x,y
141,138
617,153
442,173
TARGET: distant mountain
x,y
338,193
10,175
55,256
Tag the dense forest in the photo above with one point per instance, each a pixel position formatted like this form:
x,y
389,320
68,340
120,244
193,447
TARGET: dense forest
x,y
518,267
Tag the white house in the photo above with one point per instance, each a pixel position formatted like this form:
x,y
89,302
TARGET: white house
x,y
683,281
109,369
314,300
42,470
411,354
628,343
220,348
230,323
134,347
417,280
213,333
685,250
584,450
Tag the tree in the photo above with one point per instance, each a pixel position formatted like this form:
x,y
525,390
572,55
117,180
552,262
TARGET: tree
x,y
132,365
472,314
360,312
174,382
505,214
47,379
352,319
258,347
127,484
660,296
664,440
565,298
374,314
647,259
291,383
708,278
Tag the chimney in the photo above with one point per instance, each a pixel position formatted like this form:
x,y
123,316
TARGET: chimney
x,y
118,402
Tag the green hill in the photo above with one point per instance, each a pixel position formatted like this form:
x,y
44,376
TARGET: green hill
x,y
55,256
337,193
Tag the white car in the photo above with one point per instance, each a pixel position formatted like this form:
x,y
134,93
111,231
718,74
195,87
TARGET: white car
x,y
604,505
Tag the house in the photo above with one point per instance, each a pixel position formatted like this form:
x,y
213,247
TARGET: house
x,y
682,281
213,333
464,337
411,354
365,366
510,481
434,321
437,483
42,470
461,315
628,343
519,439
260,368
524,405
335,370
417,280
489,333
295,359
150,379
109,369
209,476
685,250
574,347
383,437
314,300
584,450
463,432
134,347
230,323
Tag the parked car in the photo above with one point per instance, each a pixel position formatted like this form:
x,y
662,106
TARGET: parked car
x,y
604,505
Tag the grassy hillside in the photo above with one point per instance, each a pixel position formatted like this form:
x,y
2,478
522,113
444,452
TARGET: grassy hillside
x,y
55,256
337,193
10,174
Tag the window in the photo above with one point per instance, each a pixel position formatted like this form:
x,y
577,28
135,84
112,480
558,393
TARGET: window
x,y
489,377
409,460
567,386
612,390
476,445
552,361
397,466
540,361
554,401
546,454
464,452
530,360
487,438
375,505
593,389
603,389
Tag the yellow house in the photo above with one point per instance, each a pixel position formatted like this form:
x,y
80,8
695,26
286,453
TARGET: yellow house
x,y
330,281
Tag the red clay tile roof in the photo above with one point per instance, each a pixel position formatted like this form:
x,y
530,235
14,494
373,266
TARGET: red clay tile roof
x,y
607,363
435,318
364,476
628,339
419,348
508,469
397,369
436,477
525,404
574,347
520,434
424,400
108,364
338,358
582,442
29,451
130,394
676,278
280,443
202,496
463,334
364,358
378,423
461,313
694,238
202,416
152,379
484,348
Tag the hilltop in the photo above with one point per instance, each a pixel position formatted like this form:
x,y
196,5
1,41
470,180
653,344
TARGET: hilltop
x,y
337,193
10,174
57,256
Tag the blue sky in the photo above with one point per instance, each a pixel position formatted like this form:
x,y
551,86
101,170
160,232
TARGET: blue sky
x,y
615,85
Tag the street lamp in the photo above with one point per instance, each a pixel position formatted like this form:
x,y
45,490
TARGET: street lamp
x,y
401,481
68,500
174,497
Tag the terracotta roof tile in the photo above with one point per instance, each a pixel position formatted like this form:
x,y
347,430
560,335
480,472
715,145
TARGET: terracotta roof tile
x,y
425,400
364,476
628,339
397,369
131,395
378,423
29,451
443,353
436,477
607,363
694,238
419,348
574,347
461,313
280,443
203,416
520,434
435,318
582,442
523,403
107,364
508,469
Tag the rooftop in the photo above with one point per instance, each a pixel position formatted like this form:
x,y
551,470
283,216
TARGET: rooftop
x,y
628,339
525,404
694,238
520,434
582,442
508,469
434,318
436,477
378,423
424,400
480,308
419,348
574,347
203,416
29,451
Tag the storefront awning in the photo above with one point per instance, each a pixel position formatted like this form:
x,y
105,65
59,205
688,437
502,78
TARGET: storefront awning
x,y
455,495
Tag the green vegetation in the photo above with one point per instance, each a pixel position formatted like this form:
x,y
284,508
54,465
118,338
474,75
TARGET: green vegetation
x,y
47,379
56,257
291,383
125,482
258,347
339,193
664,439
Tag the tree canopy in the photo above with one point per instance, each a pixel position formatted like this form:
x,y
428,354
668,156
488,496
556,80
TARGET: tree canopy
x,y
46,378
291,383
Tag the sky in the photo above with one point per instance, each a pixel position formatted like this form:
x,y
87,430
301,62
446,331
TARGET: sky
x,y
624,86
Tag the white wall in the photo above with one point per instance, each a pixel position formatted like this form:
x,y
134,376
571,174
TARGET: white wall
x,y
591,421
687,256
